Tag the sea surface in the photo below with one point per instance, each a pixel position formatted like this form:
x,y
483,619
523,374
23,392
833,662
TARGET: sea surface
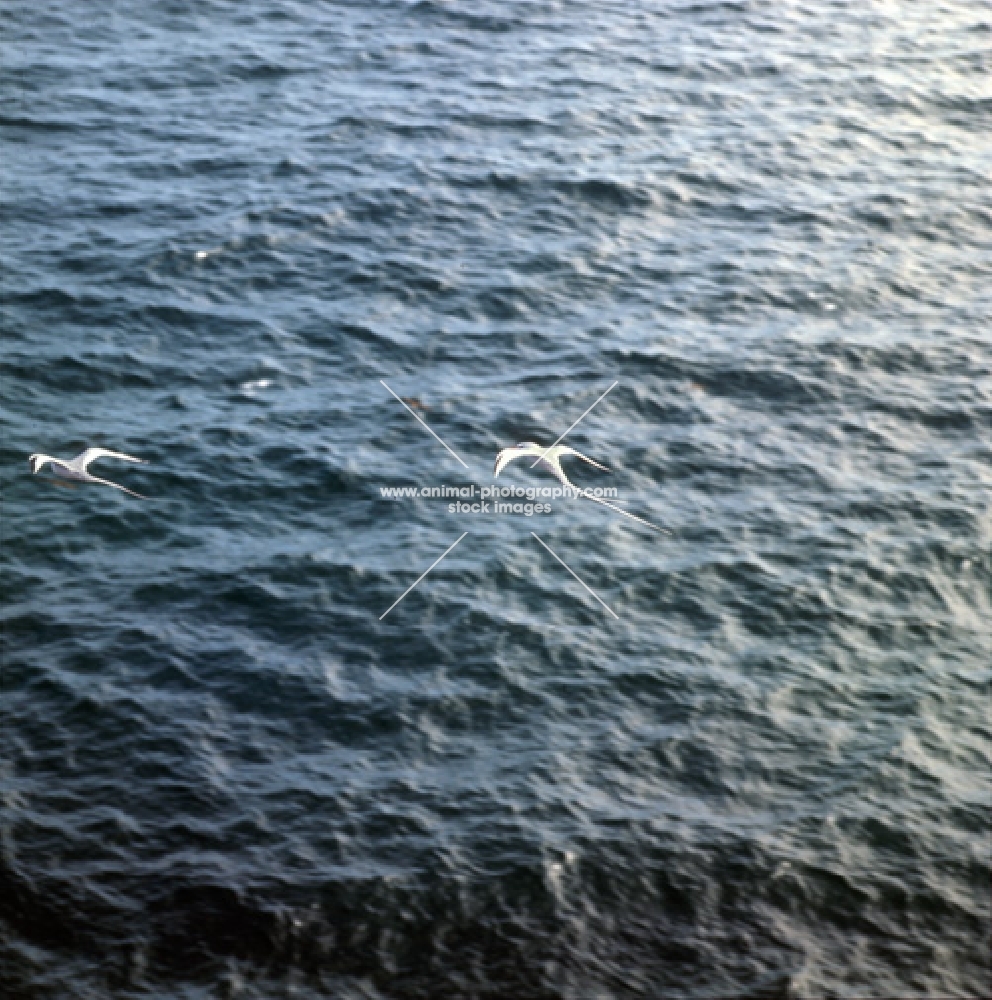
x,y
580,759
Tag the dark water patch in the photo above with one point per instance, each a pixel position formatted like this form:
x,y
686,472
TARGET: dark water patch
x,y
90,375
30,627
405,939
59,300
39,125
48,918
600,193
443,13
604,193
198,923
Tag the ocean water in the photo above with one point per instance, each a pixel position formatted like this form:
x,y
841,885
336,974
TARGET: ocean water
x,y
749,758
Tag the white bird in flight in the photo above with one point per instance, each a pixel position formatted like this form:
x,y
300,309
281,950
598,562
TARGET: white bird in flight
x,y
550,458
75,468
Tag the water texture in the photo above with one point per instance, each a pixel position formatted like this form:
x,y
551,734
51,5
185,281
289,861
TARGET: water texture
x,y
224,774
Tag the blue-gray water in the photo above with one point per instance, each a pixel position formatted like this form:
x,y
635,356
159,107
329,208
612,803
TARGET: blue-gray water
x,y
224,775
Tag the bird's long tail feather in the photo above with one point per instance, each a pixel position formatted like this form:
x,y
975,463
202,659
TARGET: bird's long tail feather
x,y
625,513
117,486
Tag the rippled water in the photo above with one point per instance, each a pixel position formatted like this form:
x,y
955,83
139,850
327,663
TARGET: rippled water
x,y
224,773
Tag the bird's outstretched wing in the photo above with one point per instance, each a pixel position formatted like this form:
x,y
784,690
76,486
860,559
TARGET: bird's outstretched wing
x,y
117,486
504,458
82,460
553,462
585,458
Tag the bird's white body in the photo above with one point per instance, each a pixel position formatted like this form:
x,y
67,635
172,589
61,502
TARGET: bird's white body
x,y
550,458
76,468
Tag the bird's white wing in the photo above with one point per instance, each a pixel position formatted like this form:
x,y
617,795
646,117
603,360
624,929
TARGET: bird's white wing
x,y
585,458
81,461
117,486
504,458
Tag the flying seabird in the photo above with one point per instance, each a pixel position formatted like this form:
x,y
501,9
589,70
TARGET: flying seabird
x,y
75,468
551,459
